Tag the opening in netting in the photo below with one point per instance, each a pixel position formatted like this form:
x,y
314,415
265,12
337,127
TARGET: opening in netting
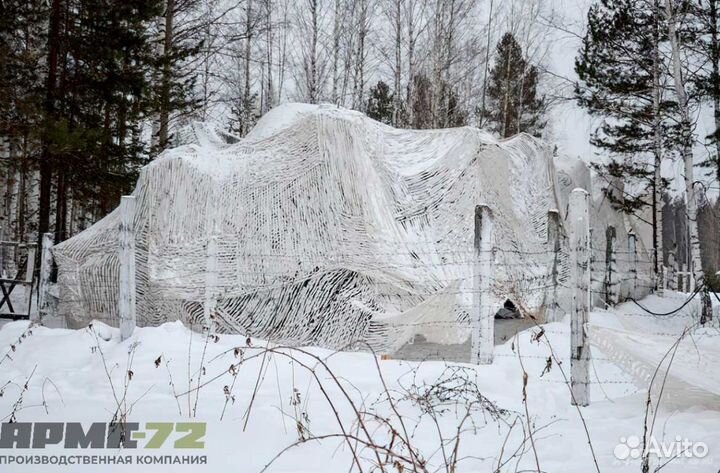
x,y
508,311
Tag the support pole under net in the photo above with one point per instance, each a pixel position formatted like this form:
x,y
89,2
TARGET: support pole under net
x,y
211,264
579,222
483,318
126,255
210,282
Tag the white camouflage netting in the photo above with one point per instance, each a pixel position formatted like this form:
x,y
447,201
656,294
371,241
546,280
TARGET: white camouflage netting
x,y
332,228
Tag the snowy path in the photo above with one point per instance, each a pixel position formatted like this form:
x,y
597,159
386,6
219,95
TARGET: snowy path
x,y
639,342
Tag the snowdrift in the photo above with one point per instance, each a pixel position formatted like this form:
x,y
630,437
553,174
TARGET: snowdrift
x,y
334,229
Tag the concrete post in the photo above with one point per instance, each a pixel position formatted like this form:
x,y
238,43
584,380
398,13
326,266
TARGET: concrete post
x,y
46,260
126,294
553,240
578,217
483,334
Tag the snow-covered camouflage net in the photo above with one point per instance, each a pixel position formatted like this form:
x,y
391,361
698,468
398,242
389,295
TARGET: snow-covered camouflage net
x,y
333,228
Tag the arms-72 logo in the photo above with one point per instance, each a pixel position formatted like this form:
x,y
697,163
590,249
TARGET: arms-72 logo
x,y
103,435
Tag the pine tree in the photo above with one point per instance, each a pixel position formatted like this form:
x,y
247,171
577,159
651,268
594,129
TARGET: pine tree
x,y
706,16
380,103
180,42
22,49
512,104
421,102
451,114
100,99
456,115
244,114
615,66
622,74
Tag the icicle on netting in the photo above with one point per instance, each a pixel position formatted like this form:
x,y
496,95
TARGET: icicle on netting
x,y
332,228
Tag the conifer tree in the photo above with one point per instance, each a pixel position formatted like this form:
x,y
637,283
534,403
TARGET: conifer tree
x,y
451,114
22,48
180,41
244,114
513,105
380,103
106,96
420,106
705,16
622,75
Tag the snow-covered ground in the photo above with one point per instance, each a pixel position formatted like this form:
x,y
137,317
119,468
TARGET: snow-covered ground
x,y
256,408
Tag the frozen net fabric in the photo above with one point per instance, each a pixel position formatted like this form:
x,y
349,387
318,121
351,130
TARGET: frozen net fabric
x,y
331,229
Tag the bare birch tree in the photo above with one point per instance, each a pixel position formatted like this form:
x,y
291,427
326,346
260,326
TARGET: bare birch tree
x,y
692,191
310,24
362,27
658,151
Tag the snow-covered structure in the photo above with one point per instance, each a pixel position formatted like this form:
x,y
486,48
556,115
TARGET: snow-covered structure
x,y
333,228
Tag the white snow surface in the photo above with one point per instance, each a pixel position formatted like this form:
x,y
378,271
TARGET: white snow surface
x,y
70,379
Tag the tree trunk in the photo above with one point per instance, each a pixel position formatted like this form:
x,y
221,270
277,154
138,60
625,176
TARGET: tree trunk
x,y
715,59
245,127
438,35
22,192
658,148
447,63
506,132
10,194
411,62
312,73
283,55
398,64
46,157
359,76
487,67
269,99
336,53
21,199
60,207
686,151
164,125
